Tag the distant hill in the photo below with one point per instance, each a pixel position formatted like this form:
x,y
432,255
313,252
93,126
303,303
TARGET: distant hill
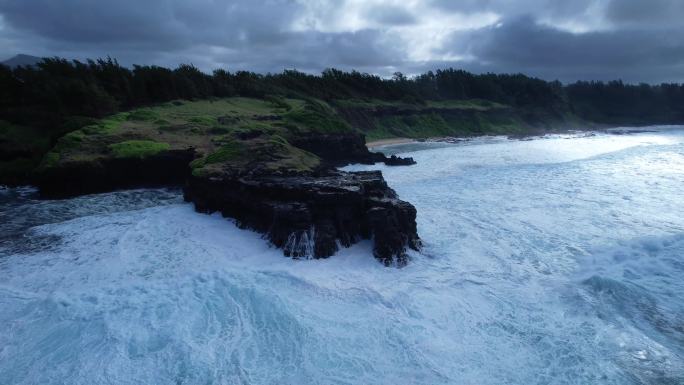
x,y
22,60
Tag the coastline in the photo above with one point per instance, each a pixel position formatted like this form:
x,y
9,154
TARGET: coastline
x,y
387,142
457,139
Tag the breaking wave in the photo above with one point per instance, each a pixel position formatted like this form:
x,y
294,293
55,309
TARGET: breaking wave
x,y
552,261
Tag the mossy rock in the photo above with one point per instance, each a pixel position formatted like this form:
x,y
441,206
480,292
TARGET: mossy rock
x,y
137,148
272,154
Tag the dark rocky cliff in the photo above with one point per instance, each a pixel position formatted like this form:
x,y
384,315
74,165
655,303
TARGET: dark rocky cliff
x,y
289,190
94,176
311,216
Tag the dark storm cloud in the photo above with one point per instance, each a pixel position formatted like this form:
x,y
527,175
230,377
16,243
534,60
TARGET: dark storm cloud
x,y
518,7
165,23
359,50
595,39
239,34
654,13
522,45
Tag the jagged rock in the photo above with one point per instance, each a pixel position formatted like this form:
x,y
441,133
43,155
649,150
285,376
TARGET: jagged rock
x,y
397,161
298,200
308,216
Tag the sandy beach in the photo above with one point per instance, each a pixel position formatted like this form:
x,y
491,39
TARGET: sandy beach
x,y
385,142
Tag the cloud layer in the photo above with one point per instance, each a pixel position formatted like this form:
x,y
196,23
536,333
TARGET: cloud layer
x,y
584,39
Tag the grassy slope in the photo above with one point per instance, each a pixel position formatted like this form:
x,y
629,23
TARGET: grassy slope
x,y
430,125
243,132
434,118
235,133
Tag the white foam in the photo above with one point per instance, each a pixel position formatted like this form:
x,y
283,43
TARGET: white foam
x,y
550,261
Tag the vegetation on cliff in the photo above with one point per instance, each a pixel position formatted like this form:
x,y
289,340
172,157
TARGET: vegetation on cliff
x,y
262,148
237,133
234,155
41,103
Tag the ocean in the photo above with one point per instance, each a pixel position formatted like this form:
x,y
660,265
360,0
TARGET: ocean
x,y
556,260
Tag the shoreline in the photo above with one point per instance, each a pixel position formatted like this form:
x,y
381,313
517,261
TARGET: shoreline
x,y
457,139
387,142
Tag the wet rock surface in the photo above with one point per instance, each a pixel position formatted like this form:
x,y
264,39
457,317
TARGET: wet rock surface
x,y
95,176
312,216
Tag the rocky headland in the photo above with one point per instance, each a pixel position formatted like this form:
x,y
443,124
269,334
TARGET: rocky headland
x,y
270,166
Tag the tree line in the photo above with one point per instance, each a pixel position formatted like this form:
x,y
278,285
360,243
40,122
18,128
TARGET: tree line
x,y
54,92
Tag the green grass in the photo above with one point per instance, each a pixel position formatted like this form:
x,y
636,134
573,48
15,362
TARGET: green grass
x,y
278,102
289,158
137,148
237,130
239,133
414,126
108,125
270,152
212,109
436,124
229,151
314,116
203,120
143,114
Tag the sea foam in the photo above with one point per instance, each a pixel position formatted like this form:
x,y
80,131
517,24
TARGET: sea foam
x,y
551,261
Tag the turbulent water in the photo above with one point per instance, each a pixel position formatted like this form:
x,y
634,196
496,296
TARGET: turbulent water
x,y
558,260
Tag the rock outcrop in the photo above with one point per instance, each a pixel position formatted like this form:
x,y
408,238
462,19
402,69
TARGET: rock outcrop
x,y
309,213
101,175
272,169
311,216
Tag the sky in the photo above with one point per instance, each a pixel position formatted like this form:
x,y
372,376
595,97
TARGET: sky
x,y
567,40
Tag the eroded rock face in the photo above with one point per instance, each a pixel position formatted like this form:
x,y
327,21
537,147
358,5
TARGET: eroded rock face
x,y
306,208
311,216
94,176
